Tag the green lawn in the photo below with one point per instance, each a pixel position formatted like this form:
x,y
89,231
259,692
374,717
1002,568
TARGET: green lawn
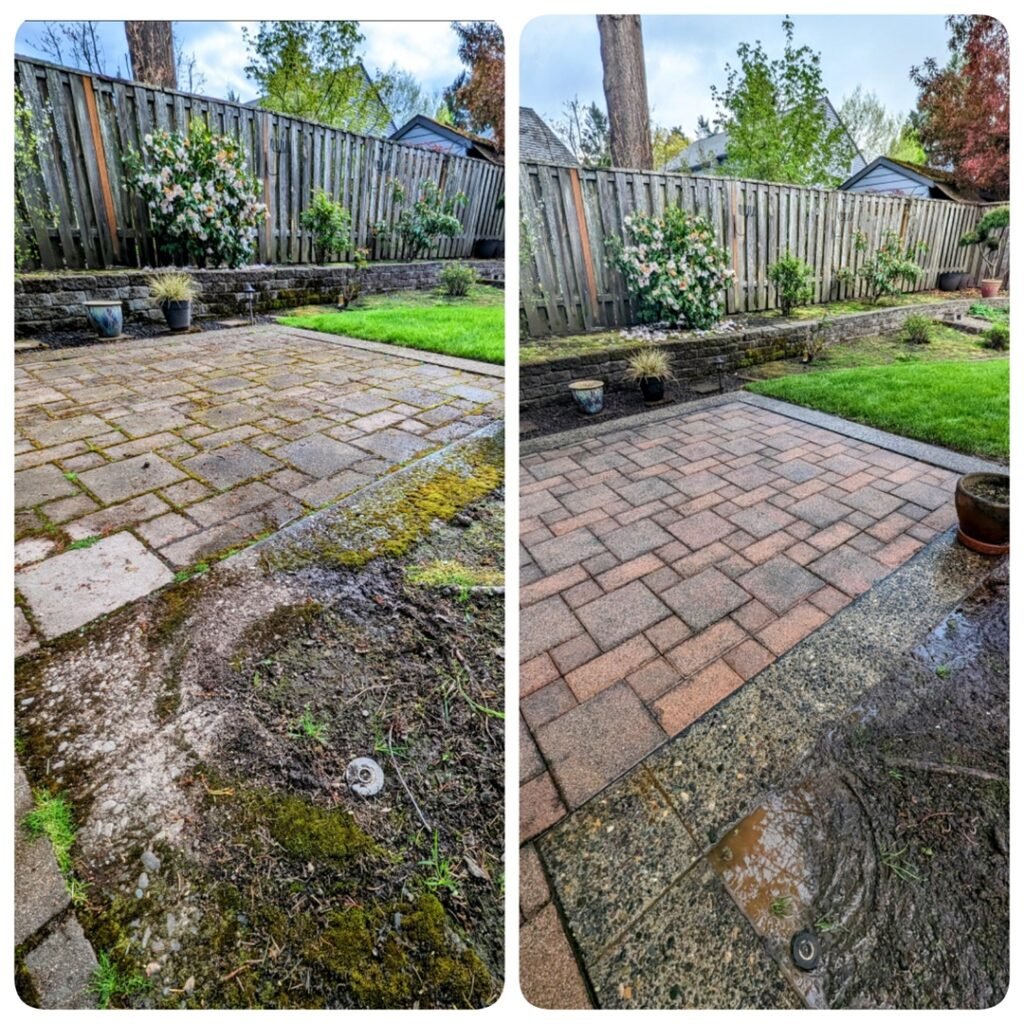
x,y
472,327
965,406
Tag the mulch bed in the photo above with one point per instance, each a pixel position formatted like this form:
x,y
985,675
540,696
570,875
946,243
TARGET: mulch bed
x,y
133,331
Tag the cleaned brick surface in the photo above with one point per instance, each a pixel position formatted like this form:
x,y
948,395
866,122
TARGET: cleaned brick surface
x,y
668,563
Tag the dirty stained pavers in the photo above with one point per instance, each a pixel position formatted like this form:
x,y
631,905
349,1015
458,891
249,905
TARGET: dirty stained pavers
x,y
669,560
681,884
134,462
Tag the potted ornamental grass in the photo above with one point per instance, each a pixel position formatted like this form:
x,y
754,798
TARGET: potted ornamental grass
x,y
650,368
983,512
174,291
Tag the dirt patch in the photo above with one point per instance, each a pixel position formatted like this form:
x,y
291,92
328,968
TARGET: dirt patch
x,y
554,417
203,737
892,846
147,329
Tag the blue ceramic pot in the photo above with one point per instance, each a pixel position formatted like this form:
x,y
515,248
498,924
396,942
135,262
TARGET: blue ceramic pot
x,y
589,395
105,316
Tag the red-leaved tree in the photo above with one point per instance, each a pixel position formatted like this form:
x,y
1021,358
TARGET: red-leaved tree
x,y
482,92
964,107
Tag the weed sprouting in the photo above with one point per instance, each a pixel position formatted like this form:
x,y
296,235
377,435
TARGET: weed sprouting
x,y
781,906
309,728
454,681
441,876
51,817
109,982
893,860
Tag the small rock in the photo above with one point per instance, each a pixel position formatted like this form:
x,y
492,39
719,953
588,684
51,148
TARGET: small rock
x,y
139,894
189,985
143,882
157,946
150,861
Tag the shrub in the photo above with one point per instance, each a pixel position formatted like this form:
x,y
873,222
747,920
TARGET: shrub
x,y
426,222
792,279
172,287
457,278
917,329
650,363
891,268
673,268
329,223
997,337
203,205
988,234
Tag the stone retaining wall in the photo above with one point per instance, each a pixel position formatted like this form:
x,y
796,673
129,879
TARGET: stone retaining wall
x,y
54,302
694,357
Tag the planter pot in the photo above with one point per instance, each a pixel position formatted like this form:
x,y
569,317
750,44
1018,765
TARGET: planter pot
x,y
105,317
177,314
653,388
983,510
990,287
489,248
951,281
589,395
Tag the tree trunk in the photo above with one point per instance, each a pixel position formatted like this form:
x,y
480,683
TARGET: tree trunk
x,y
625,90
151,48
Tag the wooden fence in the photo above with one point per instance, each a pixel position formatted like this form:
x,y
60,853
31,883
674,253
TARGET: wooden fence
x,y
86,123
567,213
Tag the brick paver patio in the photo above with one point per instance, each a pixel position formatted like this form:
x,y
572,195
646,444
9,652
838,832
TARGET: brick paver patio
x,y
668,563
137,460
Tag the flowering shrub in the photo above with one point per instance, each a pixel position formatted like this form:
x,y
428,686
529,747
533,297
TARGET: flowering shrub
x,y
203,205
673,267
329,223
891,270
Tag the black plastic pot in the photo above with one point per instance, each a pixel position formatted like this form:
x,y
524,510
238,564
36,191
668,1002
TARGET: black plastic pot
x,y
653,388
984,523
177,314
489,248
951,281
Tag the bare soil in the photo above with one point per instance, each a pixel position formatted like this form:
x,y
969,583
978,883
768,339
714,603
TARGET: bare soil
x,y
208,729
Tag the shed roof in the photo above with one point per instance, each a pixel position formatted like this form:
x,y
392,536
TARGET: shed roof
x,y
476,145
940,181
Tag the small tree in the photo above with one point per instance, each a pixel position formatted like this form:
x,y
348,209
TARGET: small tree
x,y
792,279
988,233
891,268
330,224
432,217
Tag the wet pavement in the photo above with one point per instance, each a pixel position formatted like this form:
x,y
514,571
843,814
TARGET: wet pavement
x,y
857,788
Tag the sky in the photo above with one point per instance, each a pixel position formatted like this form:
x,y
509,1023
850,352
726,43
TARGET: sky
x,y
686,55
429,50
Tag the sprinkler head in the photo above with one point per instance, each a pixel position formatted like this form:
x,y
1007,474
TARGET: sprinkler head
x,y
805,949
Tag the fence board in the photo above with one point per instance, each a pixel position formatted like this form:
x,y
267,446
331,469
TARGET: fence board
x,y
755,222
88,123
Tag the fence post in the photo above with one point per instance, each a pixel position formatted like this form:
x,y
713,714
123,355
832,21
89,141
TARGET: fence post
x,y
581,220
101,165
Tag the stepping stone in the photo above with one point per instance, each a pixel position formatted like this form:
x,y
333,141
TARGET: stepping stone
x,y
73,588
62,969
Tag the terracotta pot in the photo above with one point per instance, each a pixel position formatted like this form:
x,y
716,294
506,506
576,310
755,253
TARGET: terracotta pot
x,y
990,287
589,395
984,522
653,388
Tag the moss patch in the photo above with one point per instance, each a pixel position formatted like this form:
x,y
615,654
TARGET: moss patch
x,y
309,832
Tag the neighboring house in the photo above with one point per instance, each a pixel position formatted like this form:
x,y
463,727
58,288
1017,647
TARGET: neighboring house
x,y
425,131
707,155
900,178
539,144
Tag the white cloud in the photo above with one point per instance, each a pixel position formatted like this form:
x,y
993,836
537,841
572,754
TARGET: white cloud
x,y
426,49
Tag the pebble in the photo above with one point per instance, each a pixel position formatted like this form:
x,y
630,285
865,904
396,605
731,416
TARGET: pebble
x,y
150,861
143,882
139,894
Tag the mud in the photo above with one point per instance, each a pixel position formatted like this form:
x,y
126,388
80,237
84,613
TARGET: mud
x,y
207,730
892,845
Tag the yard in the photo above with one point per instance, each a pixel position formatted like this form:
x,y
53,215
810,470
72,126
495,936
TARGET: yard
x,y
471,327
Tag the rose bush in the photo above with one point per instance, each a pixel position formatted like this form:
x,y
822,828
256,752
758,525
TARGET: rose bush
x,y
674,269
203,205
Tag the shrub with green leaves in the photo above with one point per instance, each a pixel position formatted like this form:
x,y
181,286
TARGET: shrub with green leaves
x,y
330,224
430,218
917,329
988,235
674,269
997,337
792,279
892,269
457,279
203,204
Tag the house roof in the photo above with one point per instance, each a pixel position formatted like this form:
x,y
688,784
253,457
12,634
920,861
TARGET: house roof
x,y
710,150
477,145
538,142
941,182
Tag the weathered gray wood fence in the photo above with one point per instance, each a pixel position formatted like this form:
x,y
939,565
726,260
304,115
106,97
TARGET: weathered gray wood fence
x,y
86,123
567,213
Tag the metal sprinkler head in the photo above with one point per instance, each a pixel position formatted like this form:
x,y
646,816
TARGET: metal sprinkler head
x,y
805,949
